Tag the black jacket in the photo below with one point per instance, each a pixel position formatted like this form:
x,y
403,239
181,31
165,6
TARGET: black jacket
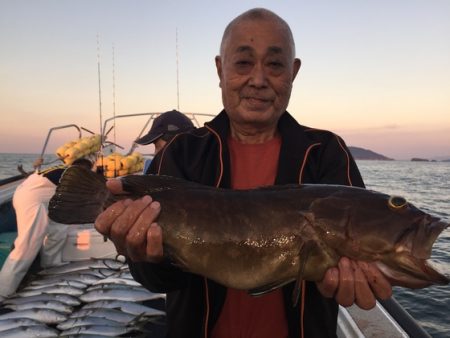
x,y
307,156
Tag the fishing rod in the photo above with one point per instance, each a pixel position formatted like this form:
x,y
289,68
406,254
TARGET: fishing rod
x,y
114,93
176,52
99,86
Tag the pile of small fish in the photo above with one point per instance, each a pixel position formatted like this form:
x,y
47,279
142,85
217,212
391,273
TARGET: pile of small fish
x,y
91,298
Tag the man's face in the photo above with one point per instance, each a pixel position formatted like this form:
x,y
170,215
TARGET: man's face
x,y
159,144
256,70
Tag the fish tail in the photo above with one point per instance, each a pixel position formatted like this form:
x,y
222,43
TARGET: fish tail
x,y
80,197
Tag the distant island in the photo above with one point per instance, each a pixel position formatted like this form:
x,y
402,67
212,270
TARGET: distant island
x,y
365,154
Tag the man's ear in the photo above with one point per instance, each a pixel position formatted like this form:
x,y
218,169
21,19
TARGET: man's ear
x,y
219,68
296,68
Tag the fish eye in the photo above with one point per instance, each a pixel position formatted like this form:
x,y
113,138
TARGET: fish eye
x,y
397,202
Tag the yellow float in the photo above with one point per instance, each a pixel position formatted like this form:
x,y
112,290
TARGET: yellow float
x,y
82,147
116,164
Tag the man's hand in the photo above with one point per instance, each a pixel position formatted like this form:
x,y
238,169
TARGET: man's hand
x,y
131,226
355,282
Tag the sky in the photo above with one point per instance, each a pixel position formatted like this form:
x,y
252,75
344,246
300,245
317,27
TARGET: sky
x,y
375,72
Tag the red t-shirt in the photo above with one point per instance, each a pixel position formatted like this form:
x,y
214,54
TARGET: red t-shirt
x,y
252,165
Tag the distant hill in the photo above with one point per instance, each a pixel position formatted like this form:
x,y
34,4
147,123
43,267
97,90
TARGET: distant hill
x,y
365,154
441,158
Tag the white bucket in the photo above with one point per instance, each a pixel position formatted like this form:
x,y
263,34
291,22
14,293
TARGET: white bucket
x,y
84,242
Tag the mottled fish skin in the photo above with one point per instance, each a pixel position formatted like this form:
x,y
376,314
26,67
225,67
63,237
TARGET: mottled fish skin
x,y
11,323
58,289
125,274
111,314
112,331
46,316
117,280
40,331
83,265
118,294
84,335
115,286
86,320
85,278
268,235
52,304
125,306
63,298
70,283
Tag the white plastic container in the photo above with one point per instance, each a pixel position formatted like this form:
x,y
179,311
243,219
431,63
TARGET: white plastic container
x,y
84,242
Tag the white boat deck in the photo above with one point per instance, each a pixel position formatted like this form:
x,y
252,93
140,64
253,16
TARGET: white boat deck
x,y
354,322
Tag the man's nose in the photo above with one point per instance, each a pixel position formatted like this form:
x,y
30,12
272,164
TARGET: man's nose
x,y
258,76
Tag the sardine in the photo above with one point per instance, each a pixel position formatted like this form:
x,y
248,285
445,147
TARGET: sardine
x,y
30,332
85,278
125,306
63,298
83,265
46,316
116,286
127,294
71,283
86,320
95,330
11,323
58,289
117,280
261,239
52,304
111,314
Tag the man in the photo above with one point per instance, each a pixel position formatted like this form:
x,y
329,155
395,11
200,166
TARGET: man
x,y
252,142
36,233
164,128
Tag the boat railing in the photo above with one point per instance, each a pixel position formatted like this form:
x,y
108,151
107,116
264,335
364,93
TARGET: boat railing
x,y
39,161
79,129
11,179
404,319
152,115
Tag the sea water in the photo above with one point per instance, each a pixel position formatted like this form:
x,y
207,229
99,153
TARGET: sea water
x,y
425,184
9,163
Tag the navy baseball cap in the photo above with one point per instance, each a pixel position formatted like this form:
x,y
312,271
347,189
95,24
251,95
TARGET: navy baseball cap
x,y
166,125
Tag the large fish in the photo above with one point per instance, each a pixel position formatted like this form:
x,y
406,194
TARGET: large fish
x,y
260,239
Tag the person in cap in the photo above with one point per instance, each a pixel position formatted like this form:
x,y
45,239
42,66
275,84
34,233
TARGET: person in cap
x,y
165,127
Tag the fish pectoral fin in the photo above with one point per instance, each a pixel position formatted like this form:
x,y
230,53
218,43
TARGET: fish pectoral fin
x,y
304,255
267,288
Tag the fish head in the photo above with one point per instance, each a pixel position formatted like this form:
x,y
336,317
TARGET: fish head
x,y
388,230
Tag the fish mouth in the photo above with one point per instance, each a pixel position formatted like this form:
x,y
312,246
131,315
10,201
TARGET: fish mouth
x,y
410,263
422,276
412,272
427,233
